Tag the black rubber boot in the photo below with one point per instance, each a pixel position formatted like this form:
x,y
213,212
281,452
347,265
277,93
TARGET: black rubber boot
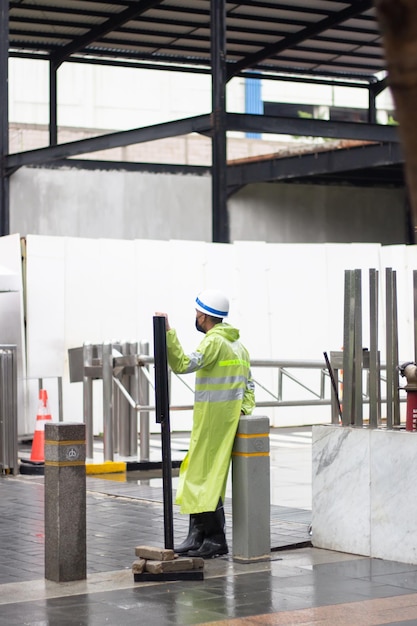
x,y
195,535
214,543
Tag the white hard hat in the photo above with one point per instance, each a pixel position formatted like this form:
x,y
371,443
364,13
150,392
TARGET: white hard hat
x,y
212,302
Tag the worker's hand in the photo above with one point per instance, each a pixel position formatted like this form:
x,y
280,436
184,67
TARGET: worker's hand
x,y
159,314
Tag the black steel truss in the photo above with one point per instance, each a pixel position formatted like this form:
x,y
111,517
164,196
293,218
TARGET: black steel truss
x,y
320,163
336,42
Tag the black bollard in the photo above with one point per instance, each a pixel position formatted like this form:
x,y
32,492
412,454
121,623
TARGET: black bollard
x,y
162,417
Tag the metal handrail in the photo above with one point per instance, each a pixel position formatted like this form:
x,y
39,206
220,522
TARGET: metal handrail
x,y
283,365
138,364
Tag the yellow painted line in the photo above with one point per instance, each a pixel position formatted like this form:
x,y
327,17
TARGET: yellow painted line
x,y
243,436
247,454
108,467
64,463
64,443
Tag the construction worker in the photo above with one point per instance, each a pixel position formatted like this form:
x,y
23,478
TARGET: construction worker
x,y
223,391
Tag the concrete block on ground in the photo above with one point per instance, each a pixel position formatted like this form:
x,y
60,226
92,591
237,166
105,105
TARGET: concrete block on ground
x,y
138,566
154,554
178,565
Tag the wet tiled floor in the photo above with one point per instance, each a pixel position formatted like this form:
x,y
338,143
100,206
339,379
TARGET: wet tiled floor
x,y
297,585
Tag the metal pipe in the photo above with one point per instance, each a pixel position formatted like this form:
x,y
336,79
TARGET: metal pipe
x,y
358,350
415,313
143,398
123,409
107,401
374,394
389,343
126,394
395,357
60,400
88,401
134,391
348,347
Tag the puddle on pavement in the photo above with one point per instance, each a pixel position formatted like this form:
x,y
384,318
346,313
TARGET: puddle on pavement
x,y
152,478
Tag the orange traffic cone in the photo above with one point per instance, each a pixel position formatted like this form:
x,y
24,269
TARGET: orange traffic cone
x,y
38,445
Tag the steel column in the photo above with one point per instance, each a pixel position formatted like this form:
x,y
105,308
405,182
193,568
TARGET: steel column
x,y
371,105
53,104
4,117
220,218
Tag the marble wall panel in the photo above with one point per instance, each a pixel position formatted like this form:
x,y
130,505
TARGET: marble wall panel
x,y
394,496
341,495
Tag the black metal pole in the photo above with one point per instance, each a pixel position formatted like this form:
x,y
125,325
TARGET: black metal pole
x,y
162,417
4,117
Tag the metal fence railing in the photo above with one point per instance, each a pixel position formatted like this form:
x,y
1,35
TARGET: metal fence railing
x,y
128,385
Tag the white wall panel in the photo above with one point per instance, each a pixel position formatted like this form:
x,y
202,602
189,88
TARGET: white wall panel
x,y
400,259
286,299
45,306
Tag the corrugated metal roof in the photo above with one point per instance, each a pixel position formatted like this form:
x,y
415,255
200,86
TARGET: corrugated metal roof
x,y
313,37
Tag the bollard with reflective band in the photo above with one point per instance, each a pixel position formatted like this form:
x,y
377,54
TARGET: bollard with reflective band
x,y
65,502
251,490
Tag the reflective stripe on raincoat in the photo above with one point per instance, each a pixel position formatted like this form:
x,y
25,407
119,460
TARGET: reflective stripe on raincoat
x,y
223,390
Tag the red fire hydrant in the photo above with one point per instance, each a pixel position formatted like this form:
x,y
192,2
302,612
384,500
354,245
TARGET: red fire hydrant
x,y
409,370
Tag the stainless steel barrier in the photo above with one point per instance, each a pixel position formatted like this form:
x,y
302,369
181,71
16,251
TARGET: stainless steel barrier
x,y
8,410
127,382
355,359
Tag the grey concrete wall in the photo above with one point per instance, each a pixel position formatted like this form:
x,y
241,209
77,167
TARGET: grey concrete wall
x,y
129,205
287,213
116,205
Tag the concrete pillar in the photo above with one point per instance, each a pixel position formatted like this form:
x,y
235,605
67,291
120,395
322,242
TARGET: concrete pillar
x,y
251,499
65,502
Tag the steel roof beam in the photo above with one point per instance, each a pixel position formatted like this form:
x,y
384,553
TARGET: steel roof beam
x,y
248,123
198,124
314,164
203,124
288,42
108,26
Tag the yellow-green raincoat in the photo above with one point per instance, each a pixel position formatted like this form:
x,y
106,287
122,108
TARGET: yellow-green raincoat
x,y
223,390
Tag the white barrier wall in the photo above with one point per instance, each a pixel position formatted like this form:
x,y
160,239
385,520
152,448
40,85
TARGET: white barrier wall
x,y
287,300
